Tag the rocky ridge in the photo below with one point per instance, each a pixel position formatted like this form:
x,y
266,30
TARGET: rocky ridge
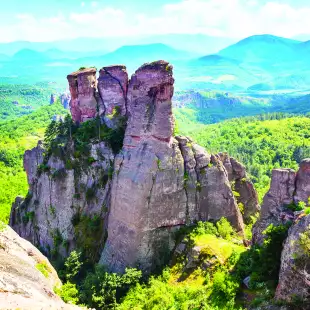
x,y
137,197
27,279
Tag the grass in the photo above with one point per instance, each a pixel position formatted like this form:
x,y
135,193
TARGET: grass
x,y
219,247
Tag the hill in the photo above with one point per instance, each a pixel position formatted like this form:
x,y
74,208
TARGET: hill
x,y
260,48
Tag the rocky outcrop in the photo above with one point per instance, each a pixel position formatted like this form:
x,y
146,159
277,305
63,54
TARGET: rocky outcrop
x,y
243,188
64,201
157,184
84,100
32,160
27,279
294,279
141,195
287,189
112,87
65,99
53,98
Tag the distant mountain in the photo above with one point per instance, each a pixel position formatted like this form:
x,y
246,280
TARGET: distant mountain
x,y
149,52
29,56
197,43
135,55
260,48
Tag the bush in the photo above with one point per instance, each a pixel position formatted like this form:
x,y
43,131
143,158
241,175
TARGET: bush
x,y
102,289
68,293
73,265
224,228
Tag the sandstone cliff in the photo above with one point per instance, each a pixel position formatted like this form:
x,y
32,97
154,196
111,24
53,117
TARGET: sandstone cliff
x,y
124,204
27,279
287,190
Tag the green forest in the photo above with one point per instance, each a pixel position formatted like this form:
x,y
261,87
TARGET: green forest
x,y
18,99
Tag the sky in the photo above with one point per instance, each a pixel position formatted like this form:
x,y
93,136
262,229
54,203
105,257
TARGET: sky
x,y
50,20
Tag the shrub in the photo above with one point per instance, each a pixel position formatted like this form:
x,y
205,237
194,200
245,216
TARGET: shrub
x,y
43,268
224,228
68,293
73,265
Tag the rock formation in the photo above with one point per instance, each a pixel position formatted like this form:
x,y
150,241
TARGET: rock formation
x,y
22,284
53,99
294,279
142,194
84,100
287,188
65,99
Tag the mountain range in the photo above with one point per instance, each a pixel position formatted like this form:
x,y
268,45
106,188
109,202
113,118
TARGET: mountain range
x,y
256,63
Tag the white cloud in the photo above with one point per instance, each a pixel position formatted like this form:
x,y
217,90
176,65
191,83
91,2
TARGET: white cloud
x,y
227,18
94,4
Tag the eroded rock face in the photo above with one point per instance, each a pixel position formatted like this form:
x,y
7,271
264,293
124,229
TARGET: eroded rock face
x,y
154,185
286,188
303,182
156,182
32,159
84,99
112,87
246,193
22,285
63,200
294,279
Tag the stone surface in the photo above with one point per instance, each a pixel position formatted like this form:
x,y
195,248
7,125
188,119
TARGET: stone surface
x,y
112,87
287,187
302,192
247,195
57,195
22,285
294,279
84,99
32,159
53,98
156,185
65,99
216,196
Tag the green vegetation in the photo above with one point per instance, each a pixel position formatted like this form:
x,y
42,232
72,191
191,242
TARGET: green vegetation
x,y
43,268
91,285
262,143
211,279
18,100
16,136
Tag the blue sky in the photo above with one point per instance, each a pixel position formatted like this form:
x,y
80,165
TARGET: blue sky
x,y
47,20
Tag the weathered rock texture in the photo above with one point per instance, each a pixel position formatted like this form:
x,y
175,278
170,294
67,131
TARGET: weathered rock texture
x,y
22,285
157,182
62,201
286,188
294,279
84,100
160,182
112,87
245,192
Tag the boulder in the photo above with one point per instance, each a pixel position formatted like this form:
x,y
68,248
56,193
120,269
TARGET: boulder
x,y
27,279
